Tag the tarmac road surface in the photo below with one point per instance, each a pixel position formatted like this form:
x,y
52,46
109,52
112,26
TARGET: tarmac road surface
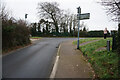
x,y
35,61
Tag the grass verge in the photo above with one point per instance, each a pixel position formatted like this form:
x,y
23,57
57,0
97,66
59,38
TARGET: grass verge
x,y
36,37
85,40
104,63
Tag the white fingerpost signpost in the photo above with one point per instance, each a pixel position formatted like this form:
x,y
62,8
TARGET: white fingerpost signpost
x,y
81,17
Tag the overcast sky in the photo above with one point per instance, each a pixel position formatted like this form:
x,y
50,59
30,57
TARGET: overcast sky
x,y
98,18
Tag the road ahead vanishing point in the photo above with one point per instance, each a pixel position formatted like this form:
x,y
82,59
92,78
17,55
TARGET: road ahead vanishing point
x,y
35,61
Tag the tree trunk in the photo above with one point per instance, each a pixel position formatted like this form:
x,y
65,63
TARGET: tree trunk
x,y
39,27
118,38
71,27
34,26
47,28
56,27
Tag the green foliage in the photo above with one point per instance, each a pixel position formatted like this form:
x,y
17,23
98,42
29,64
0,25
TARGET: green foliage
x,y
114,40
107,63
85,40
118,44
65,34
14,34
104,63
118,40
83,34
95,34
84,29
36,37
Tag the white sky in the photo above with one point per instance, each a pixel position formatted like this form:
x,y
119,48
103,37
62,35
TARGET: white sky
x,y
98,18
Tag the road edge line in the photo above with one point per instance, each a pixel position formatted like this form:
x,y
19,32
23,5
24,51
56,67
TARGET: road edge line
x,y
52,75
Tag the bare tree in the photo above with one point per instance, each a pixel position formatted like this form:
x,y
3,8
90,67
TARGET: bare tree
x,y
113,8
51,11
64,22
66,19
4,14
83,25
70,24
39,27
74,22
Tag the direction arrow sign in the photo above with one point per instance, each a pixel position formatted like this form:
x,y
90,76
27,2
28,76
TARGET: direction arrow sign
x,y
83,16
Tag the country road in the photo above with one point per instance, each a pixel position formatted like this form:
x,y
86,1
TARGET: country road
x,y
35,61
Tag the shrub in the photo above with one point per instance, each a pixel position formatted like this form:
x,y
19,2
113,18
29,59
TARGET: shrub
x,y
14,34
118,40
82,33
96,34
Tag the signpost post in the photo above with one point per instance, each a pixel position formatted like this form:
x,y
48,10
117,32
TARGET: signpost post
x,y
81,17
79,12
